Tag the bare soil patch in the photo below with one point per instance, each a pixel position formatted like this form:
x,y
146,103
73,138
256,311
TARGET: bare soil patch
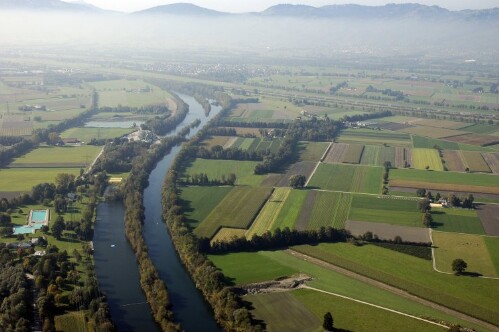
x,y
474,139
489,216
403,155
278,285
306,211
387,231
453,161
335,154
303,168
492,159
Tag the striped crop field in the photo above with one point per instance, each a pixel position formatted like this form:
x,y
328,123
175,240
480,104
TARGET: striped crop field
x,y
290,210
268,214
330,209
236,210
423,158
353,154
475,161
226,234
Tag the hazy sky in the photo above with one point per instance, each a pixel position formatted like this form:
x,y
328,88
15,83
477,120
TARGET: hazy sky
x,y
258,5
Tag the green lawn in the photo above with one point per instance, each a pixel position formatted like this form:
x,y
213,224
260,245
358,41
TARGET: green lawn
x,y
493,247
457,220
59,155
244,170
364,179
198,202
23,179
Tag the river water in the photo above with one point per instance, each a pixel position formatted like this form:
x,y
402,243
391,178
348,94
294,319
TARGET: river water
x,y
115,263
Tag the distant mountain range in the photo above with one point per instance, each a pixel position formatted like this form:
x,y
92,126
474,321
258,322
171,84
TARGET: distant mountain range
x,y
389,11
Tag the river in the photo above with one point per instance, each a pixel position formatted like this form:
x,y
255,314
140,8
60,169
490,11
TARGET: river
x,y
115,262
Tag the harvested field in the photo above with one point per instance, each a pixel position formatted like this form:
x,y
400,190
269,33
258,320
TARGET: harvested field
x,y
431,132
475,139
353,154
394,126
242,131
303,167
489,216
335,154
423,158
306,212
236,210
471,248
230,142
475,162
388,231
403,157
492,160
216,140
227,234
453,161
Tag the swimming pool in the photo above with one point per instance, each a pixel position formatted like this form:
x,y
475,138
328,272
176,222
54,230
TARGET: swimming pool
x,y
26,229
39,216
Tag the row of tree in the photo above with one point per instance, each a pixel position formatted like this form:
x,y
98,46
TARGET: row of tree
x,y
202,179
218,152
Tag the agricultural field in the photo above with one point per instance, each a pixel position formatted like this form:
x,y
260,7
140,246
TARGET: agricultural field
x,y
383,209
242,131
134,93
431,143
448,181
86,134
475,162
268,110
226,234
198,202
376,137
481,129
353,154
223,141
23,179
426,159
349,178
329,209
492,160
253,144
388,231
52,156
15,125
471,248
403,157
457,220
431,131
489,216
377,155
475,139
237,210
290,210
216,168
441,124
312,151
453,160
300,168
268,214
336,152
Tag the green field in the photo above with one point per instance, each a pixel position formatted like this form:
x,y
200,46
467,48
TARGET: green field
x,y
237,210
485,180
366,318
226,234
457,220
269,212
290,209
413,274
471,248
426,159
46,155
128,93
86,134
475,161
283,312
330,209
412,271
481,129
312,151
217,168
493,248
385,210
377,155
369,136
198,202
430,143
348,178
23,179
353,154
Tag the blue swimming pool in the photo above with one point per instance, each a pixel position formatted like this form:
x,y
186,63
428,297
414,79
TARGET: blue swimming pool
x,y
39,216
26,229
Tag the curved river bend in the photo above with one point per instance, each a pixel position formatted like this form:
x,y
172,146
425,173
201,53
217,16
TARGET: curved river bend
x,y
115,262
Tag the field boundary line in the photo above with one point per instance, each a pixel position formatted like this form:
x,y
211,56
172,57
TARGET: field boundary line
x,y
381,196
392,289
373,305
434,261
326,152
312,174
